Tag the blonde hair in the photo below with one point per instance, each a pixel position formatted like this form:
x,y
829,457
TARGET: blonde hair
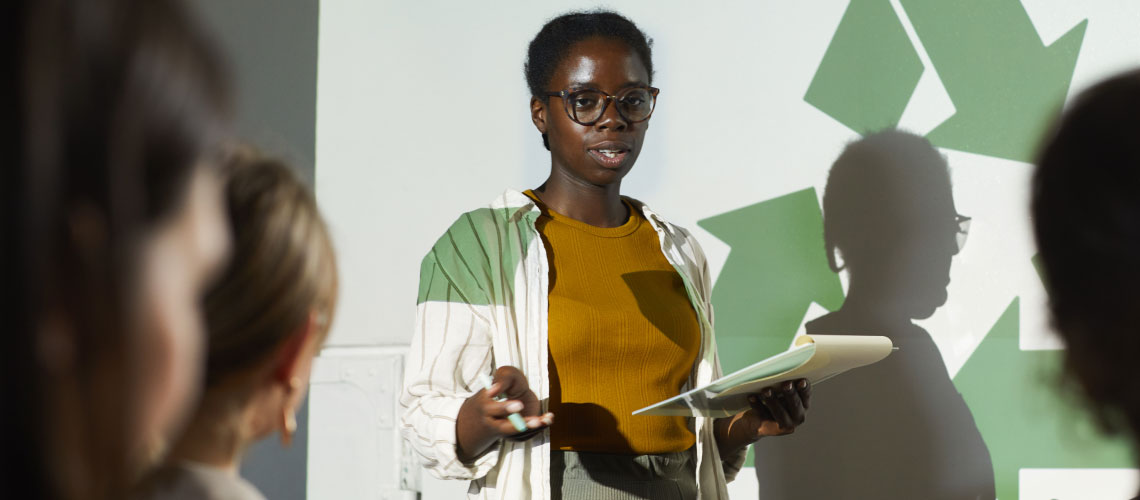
x,y
282,269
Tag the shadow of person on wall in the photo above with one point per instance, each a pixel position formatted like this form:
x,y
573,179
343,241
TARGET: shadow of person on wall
x,y
897,429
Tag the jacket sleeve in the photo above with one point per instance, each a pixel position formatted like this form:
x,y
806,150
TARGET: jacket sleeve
x,y
450,347
732,465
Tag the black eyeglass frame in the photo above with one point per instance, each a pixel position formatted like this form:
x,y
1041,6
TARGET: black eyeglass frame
x,y
566,94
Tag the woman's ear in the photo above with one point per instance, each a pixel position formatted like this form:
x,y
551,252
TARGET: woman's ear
x,y
538,114
290,352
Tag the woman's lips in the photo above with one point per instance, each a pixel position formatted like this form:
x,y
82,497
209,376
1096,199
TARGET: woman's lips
x,y
609,158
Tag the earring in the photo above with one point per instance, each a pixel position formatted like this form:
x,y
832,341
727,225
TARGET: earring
x,y
288,426
288,416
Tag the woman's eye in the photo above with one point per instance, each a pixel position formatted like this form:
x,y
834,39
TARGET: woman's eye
x,y
584,102
633,101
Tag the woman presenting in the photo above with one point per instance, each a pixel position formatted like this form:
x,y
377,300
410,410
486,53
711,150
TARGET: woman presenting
x,y
584,305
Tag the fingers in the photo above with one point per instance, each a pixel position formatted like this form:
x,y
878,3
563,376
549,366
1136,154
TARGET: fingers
x,y
771,401
785,404
804,388
510,381
534,425
540,421
500,409
524,436
497,413
793,403
759,408
493,391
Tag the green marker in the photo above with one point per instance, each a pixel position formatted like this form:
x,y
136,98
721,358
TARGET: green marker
x,y
515,418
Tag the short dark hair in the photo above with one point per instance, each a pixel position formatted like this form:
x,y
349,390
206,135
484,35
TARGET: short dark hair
x,y
556,37
1086,215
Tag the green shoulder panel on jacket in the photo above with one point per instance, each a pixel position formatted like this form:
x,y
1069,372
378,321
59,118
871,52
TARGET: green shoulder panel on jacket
x,y
475,261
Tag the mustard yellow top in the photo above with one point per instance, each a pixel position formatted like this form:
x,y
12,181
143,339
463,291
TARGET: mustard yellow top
x,y
622,335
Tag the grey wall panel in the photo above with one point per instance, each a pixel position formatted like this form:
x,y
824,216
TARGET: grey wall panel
x,y
272,46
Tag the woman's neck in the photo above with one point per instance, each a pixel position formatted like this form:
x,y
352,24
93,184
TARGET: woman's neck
x,y
218,435
599,206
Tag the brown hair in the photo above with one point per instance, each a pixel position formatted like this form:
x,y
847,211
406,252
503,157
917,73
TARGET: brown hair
x,y
283,266
110,107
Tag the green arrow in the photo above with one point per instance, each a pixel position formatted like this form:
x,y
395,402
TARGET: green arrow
x,y
1004,82
776,268
870,69
1024,418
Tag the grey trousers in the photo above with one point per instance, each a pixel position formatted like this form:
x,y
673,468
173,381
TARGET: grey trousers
x,y
608,476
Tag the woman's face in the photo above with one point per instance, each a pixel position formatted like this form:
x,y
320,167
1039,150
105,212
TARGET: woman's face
x,y
179,261
602,153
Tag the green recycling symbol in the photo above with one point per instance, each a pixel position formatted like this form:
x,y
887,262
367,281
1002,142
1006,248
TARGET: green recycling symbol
x,y
1005,85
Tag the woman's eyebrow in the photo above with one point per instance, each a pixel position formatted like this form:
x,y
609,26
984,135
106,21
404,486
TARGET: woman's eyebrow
x,y
595,85
581,85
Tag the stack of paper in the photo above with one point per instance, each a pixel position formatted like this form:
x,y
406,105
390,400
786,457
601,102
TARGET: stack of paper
x,y
814,357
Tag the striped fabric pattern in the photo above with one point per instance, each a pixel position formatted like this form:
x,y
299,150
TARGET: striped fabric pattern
x,y
483,304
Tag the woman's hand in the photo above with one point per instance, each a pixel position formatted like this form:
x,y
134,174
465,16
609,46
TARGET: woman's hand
x,y
482,420
775,411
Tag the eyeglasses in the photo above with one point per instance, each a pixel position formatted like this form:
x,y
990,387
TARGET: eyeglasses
x,y
963,224
586,106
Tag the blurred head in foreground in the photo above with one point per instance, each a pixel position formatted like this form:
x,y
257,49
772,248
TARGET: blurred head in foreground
x,y
267,317
113,228
1086,213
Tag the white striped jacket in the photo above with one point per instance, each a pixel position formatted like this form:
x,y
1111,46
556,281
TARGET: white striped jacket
x,y
483,304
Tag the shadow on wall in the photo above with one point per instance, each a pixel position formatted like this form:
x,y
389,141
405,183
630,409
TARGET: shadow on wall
x,y
898,429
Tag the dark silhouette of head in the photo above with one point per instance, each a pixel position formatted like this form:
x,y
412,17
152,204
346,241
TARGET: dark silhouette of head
x,y
889,219
1086,214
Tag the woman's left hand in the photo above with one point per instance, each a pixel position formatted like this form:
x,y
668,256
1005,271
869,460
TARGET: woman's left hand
x,y
775,411
778,410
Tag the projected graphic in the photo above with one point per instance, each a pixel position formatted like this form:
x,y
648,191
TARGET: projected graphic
x,y
1005,85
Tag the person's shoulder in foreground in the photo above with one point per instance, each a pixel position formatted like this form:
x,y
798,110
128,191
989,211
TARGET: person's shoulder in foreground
x,y
194,482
